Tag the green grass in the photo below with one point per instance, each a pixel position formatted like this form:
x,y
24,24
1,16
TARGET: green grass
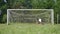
x,y
28,28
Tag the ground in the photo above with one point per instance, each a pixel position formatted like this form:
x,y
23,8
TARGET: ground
x,y
29,28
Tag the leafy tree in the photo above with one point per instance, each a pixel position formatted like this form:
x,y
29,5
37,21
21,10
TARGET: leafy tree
x,y
29,4
3,7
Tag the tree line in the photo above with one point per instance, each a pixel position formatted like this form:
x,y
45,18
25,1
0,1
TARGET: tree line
x,y
28,4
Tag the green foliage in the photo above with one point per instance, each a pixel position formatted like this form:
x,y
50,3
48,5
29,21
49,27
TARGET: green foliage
x,y
4,19
56,10
42,4
32,4
3,7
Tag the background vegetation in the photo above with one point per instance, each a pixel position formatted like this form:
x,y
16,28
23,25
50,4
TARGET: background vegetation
x,y
29,4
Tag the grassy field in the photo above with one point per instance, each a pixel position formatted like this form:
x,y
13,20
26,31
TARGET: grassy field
x,y
28,28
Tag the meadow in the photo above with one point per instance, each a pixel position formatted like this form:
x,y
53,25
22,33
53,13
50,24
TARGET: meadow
x,y
29,28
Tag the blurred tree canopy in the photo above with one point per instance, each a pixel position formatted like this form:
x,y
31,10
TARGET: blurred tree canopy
x,y
29,4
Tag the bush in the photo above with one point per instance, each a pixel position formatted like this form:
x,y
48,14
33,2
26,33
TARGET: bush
x,y
4,19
